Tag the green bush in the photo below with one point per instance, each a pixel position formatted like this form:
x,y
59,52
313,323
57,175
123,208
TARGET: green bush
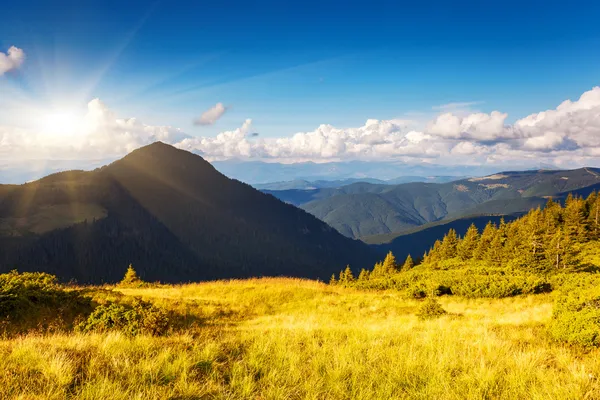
x,y
576,319
430,309
466,282
35,300
497,285
139,318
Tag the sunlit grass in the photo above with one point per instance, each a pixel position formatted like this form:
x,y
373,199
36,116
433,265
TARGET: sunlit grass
x,y
296,339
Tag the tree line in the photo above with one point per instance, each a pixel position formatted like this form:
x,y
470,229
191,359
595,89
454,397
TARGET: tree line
x,y
544,240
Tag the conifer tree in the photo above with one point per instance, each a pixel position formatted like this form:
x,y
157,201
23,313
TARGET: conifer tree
x,y
389,264
448,246
349,277
529,241
131,278
555,250
408,264
552,216
593,218
332,281
377,270
364,275
342,277
468,243
488,234
434,252
495,249
574,217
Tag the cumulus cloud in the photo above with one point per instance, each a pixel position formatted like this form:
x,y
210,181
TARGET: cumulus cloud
x,y
12,60
212,115
568,135
99,134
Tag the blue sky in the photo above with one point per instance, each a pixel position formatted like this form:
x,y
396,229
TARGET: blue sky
x,y
292,66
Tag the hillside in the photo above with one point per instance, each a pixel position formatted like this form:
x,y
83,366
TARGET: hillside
x,y
360,210
169,213
268,338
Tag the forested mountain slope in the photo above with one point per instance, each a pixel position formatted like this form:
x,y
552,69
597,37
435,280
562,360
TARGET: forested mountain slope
x,y
170,214
363,209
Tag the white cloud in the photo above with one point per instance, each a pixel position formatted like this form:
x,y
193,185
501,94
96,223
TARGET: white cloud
x,y
12,60
461,105
568,135
212,115
99,134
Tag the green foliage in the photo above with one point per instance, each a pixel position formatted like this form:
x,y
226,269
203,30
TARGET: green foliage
x,y
139,318
470,282
430,309
497,285
346,276
468,244
542,241
332,280
35,300
576,319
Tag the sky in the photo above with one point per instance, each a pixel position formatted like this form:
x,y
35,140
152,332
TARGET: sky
x,y
449,83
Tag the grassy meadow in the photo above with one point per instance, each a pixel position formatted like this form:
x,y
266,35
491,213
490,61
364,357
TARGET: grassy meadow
x,y
277,338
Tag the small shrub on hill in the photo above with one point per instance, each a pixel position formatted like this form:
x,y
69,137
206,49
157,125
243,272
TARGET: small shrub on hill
x,y
35,300
131,279
576,319
139,318
430,309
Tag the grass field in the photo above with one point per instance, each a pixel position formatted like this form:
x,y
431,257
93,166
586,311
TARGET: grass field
x,y
297,339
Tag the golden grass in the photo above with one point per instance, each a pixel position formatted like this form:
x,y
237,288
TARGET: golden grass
x,y
297,339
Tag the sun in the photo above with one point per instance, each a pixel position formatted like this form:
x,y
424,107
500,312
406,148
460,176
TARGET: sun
x,y
60,123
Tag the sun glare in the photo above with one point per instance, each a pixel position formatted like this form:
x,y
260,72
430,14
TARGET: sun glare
x,y
61,123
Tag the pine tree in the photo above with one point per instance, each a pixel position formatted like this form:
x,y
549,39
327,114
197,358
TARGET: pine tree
x,y
574,217
131,278
448,246
408,264
593,218
349,277
434,253
528,242
495,249
377,270
488,234
332,281
364,275
467,245
552,216
389,264
555,250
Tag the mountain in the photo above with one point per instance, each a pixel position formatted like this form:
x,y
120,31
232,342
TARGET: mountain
x,y
260,172
360,210
428,179
172,215
301,184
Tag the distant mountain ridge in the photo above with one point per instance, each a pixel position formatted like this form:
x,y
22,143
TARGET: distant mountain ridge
x,y
170,214
261,172
363,209
301,184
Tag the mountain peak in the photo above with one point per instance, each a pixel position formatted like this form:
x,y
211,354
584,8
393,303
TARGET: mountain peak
x,y
163,157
